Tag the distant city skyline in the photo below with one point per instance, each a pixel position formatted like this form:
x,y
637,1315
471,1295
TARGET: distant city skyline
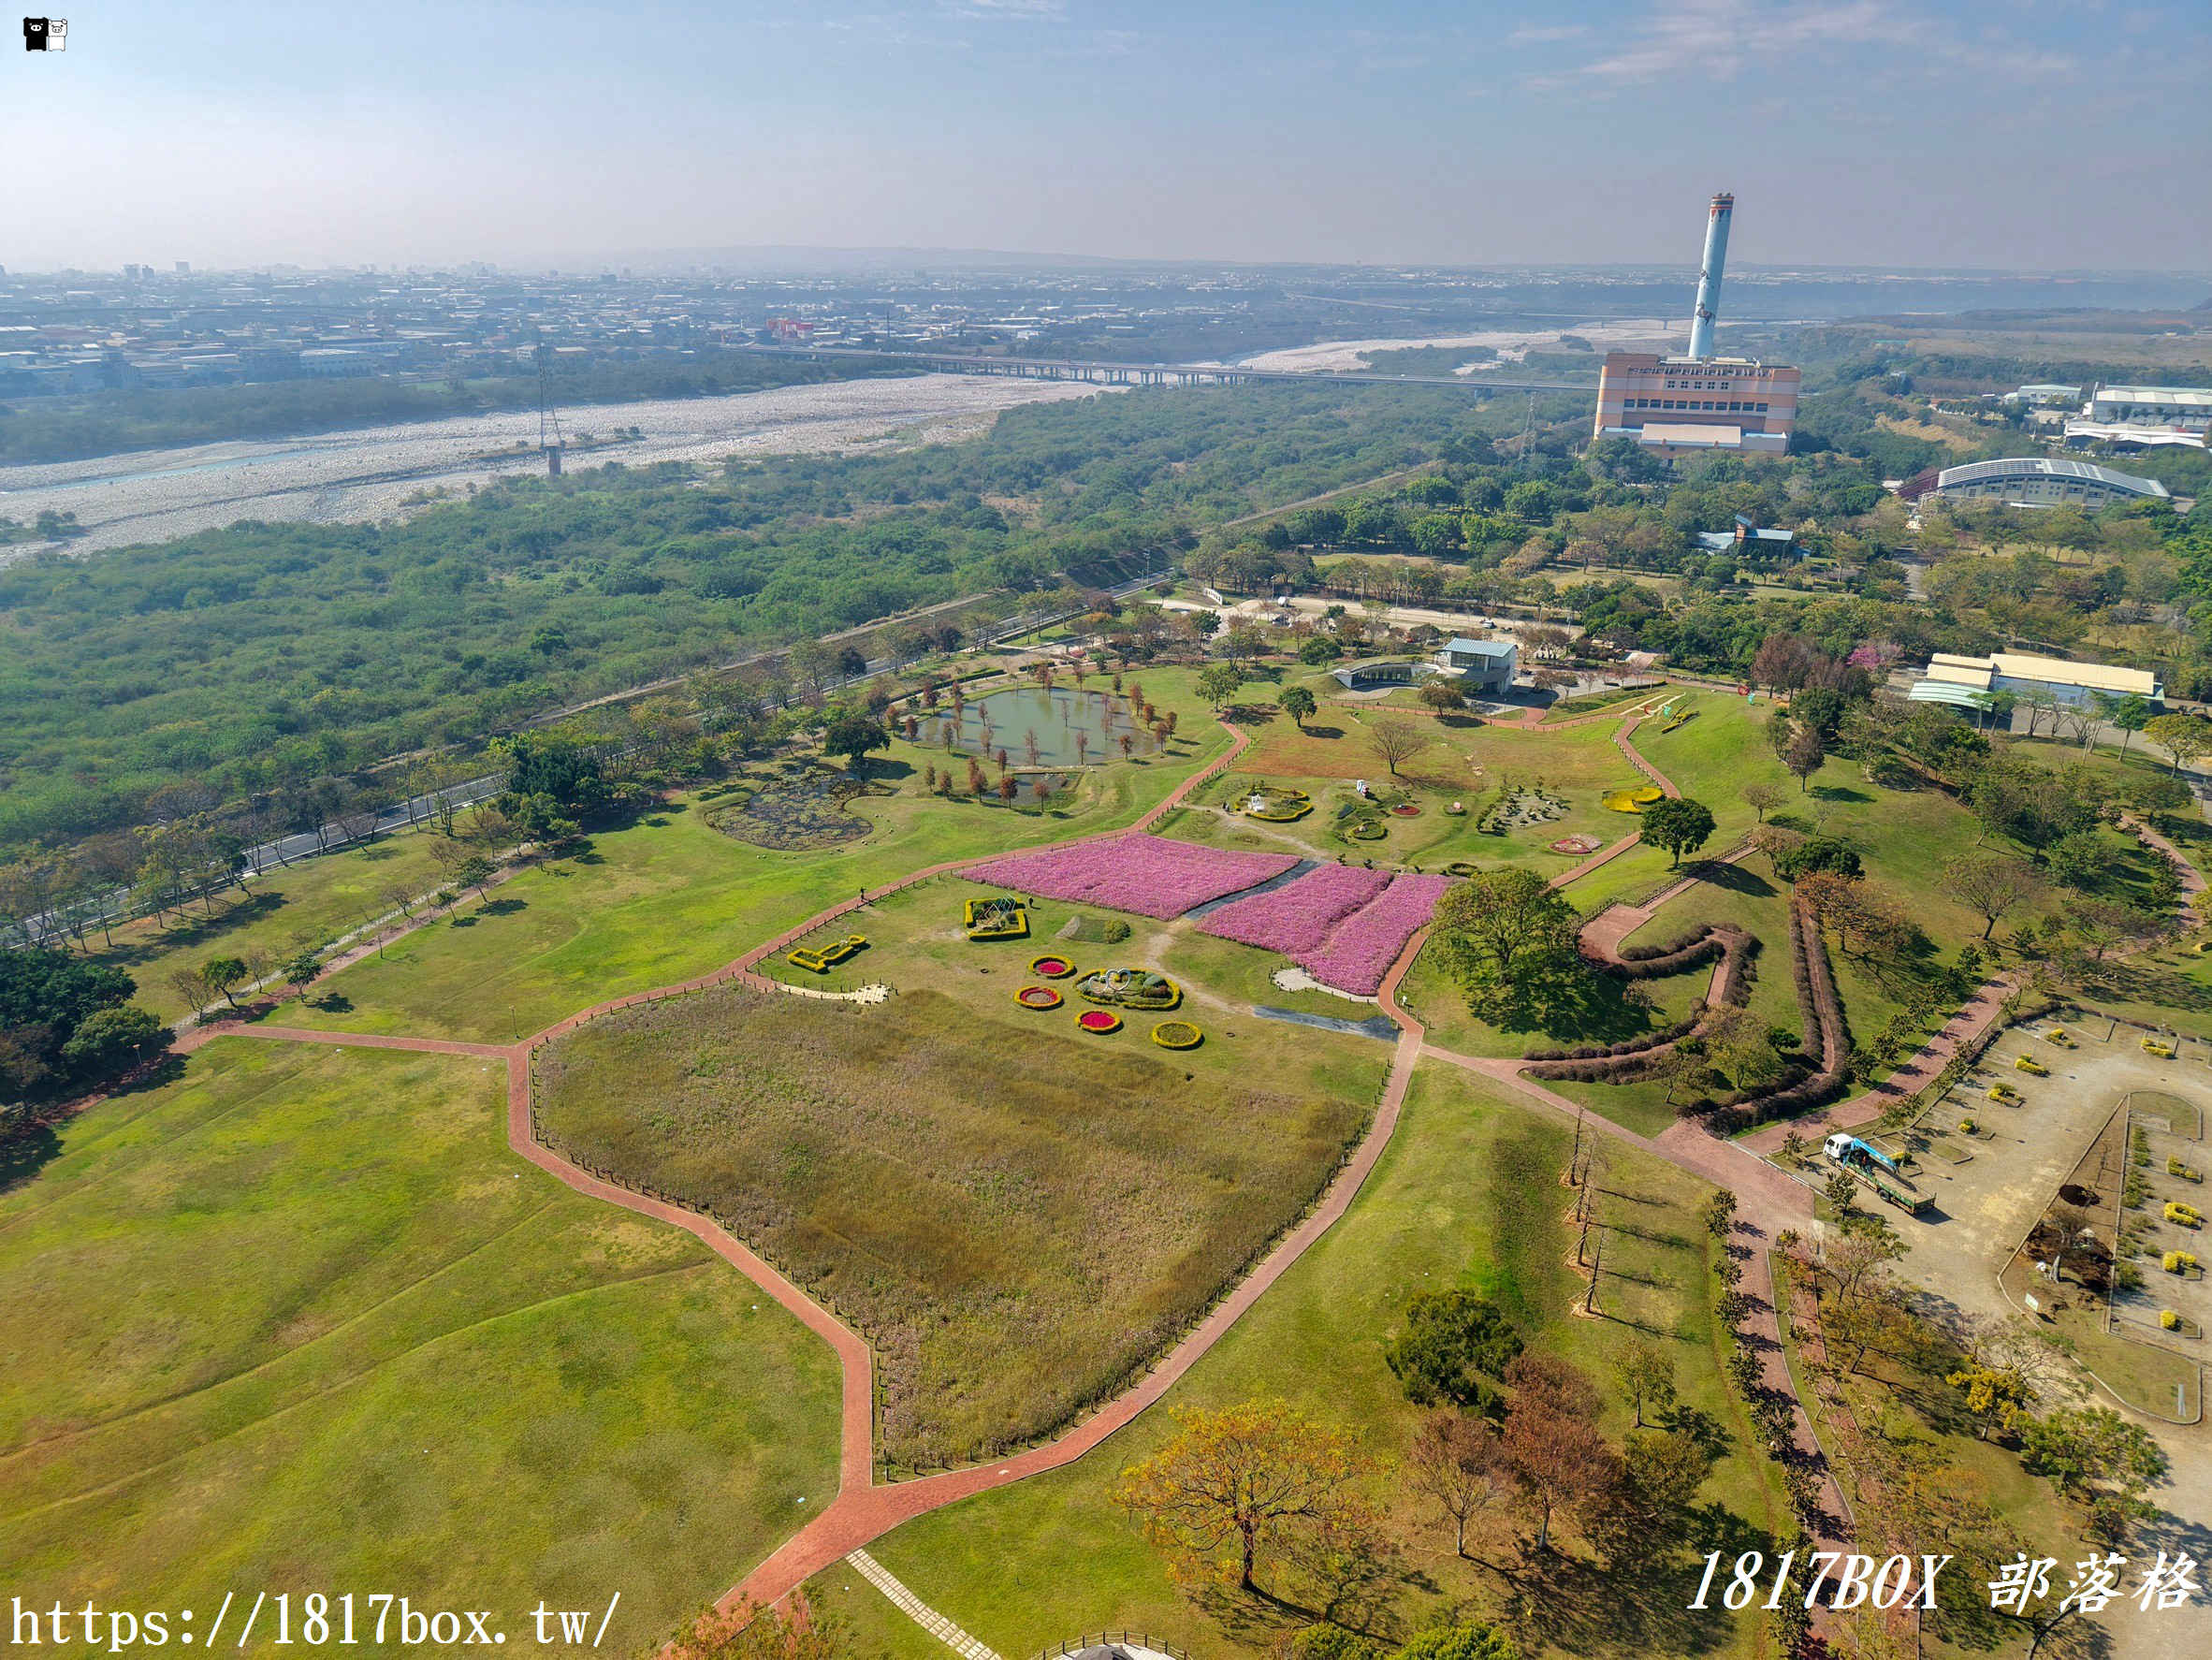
x,y
1969,134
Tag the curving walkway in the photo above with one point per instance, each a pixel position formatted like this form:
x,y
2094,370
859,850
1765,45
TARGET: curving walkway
x,y
864,1510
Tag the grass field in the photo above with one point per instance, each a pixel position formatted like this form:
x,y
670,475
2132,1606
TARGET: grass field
x,y
1465,1195
1018,1214
287,909
299,1321
671,898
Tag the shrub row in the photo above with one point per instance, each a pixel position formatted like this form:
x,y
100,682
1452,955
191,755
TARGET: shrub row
x,y
1819,1010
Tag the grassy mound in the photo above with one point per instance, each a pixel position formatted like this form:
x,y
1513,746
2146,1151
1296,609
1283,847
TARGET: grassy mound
x,y
1020,1219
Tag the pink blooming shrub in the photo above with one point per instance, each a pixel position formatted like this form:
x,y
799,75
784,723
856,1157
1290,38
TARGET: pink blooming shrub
x,y
1359,950
1297,916
1147,875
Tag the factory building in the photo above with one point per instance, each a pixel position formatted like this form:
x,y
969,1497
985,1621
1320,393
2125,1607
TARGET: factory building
x,y
2189,407
2033,481
1700,401
1964,680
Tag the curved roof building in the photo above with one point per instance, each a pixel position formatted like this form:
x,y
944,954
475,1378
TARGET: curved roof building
x,y
2041,481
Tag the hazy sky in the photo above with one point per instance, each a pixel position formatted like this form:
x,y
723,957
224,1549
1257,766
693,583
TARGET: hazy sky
x,y
2003,132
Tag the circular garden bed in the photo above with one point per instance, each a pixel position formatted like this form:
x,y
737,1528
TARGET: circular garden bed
x,y
1576,844
1177,1034
1098,1020
1039,996
1051,966
1406,810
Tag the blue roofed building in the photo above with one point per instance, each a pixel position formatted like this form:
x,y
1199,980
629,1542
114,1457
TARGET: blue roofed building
x,y
1485,665
1749,540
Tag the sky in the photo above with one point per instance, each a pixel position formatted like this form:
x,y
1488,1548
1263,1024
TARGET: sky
x,y
2029,135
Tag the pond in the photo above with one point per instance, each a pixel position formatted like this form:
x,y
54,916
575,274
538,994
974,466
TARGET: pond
x,y
1062,727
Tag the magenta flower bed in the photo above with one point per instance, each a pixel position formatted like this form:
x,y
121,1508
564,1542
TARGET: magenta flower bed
x,y
1148,875
1360,949
1298,916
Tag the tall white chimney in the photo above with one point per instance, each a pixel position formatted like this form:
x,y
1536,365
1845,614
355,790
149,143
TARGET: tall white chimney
x,y
1709,275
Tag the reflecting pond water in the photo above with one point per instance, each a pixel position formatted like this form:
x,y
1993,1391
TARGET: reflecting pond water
x,y
1062,727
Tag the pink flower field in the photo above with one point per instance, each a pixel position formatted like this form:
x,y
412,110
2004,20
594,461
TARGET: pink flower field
x,y
1297,916
1359,950
1145,875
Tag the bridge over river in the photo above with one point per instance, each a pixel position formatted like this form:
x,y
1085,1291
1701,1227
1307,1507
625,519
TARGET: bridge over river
x,y
1163,374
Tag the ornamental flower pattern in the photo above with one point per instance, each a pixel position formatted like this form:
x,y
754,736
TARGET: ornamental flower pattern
x,y
1145,875
1360,949
1297,917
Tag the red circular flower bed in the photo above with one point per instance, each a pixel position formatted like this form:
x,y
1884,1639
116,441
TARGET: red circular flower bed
x,y
1098,1020
1038,997
1406,810
1052,967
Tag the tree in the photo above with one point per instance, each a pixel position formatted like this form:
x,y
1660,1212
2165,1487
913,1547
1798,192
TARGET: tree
x,y
1989,886
2185,737
1816,855
1552,1442
1470,1640
853,732
1996,1395
2077,861
1664,1469
2129,714
1646,1373
1445,693
1452,1340
474,871
1804,753
1763,798
302,969
751,1632
1394,741
1318,650
109,1038
1248,1478
2098,1458
1495,921
1300,705
1454,1460
222,974
1220,683
1676,823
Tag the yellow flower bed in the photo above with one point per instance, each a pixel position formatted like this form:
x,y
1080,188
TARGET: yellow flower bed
x,y
2028,1063
1636,800
1177,1034
821,959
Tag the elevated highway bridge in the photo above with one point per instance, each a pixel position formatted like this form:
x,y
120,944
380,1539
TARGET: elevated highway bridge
x,y
1165,374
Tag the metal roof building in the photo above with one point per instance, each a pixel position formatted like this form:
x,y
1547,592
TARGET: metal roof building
x,y
1955,679
2042,481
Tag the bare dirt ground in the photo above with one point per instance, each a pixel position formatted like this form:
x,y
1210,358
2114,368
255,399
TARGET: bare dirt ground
x,y
375,472
1985,1206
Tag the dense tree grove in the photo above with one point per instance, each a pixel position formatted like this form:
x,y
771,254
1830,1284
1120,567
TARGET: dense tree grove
x,y
245,659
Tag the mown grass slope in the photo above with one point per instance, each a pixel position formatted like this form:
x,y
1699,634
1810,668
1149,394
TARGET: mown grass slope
x,y
299,1321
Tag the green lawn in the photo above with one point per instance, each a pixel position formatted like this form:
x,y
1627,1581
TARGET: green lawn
x,y
1467,1195
671,898
299,1321
1019,1215
312,901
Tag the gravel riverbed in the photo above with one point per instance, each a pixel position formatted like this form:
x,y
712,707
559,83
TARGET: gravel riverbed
x,y
383,472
